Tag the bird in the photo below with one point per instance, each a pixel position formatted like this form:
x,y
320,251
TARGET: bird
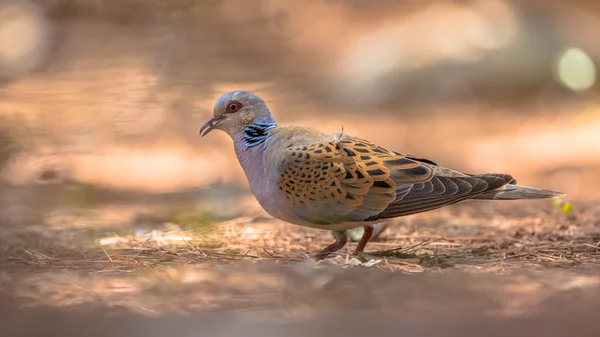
x,y
337,182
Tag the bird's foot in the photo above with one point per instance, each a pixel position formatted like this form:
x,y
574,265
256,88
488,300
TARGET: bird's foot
x,y
340,241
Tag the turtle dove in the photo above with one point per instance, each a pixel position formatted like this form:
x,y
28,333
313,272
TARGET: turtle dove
x,y
338,182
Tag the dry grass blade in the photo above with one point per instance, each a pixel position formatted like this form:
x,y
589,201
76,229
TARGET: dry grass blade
x,y
400,250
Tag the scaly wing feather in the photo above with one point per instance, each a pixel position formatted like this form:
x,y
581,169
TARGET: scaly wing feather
x,y
347,179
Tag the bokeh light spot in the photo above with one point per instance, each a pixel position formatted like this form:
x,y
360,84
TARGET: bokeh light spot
x,y
575,70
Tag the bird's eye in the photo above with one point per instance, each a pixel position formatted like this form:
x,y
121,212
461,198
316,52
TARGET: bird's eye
x,y
233,107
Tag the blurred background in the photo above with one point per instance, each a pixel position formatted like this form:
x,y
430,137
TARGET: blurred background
x,y
101,102
112,93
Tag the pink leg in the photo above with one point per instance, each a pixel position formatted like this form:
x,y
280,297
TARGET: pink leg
x,y
367,234
340,242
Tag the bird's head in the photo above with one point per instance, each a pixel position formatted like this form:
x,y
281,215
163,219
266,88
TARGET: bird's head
x,y
234,111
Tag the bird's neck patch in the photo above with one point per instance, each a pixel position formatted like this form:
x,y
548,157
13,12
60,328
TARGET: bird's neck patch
x,y
256,133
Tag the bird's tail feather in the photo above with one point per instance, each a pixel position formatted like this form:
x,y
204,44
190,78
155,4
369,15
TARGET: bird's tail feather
x,y
516,192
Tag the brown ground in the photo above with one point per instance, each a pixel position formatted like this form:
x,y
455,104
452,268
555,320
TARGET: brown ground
x,y
468,268
119,260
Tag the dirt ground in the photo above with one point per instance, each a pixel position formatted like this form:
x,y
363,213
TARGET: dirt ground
x,y
472,267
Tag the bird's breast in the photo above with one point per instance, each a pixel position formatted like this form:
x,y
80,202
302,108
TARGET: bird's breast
x,y
261,168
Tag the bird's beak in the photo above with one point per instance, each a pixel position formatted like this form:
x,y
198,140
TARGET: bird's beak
x,y
210,125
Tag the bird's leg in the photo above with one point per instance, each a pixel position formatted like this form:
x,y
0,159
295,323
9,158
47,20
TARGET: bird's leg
x,y
340,242
367,234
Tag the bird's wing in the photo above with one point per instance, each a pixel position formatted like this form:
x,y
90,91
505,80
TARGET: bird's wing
x,y
346,180
353,180
445,187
